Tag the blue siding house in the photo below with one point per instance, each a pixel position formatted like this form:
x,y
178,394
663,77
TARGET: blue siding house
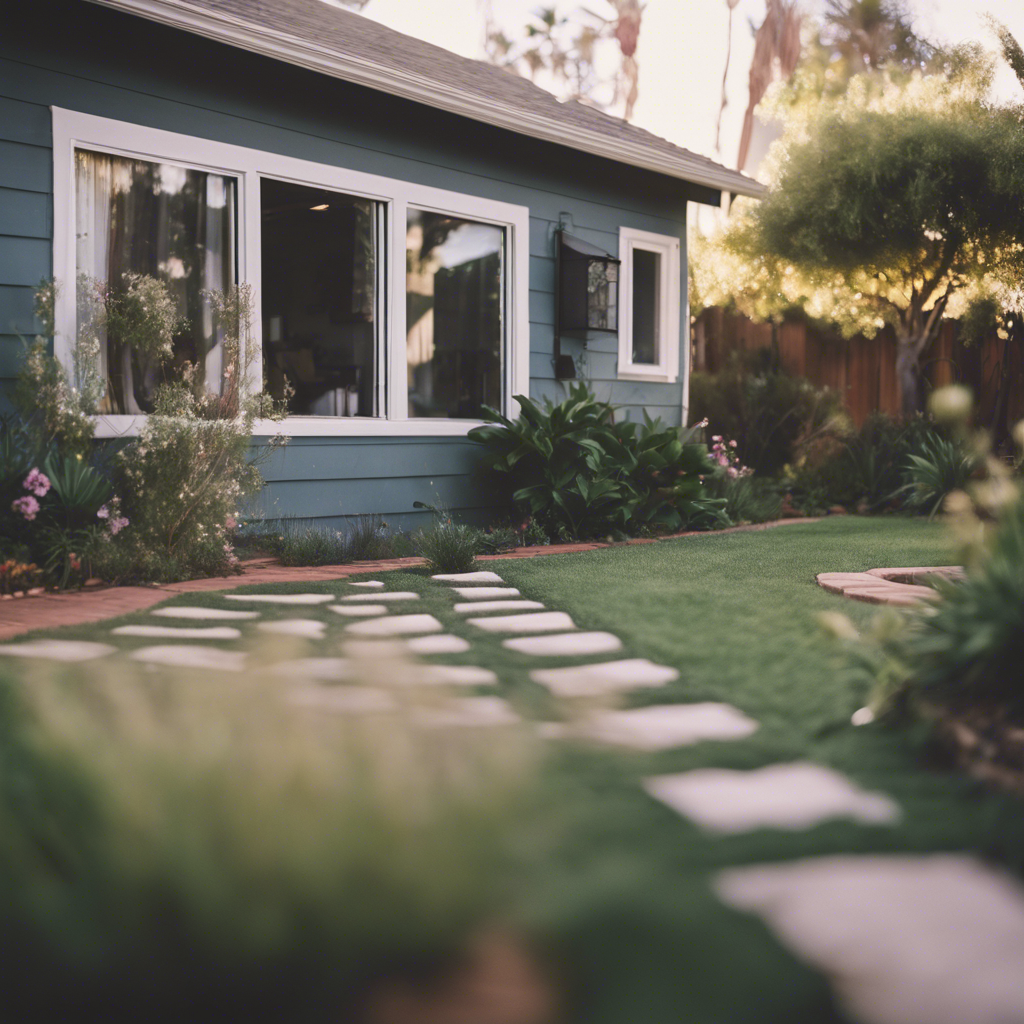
x,y
392,206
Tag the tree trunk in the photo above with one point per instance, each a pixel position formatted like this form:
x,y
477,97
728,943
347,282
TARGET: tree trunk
x,y
907,376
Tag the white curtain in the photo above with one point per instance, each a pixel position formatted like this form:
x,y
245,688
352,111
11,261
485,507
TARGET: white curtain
x,y
166,221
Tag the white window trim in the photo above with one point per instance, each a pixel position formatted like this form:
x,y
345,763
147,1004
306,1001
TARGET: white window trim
x,y
72,129
666,370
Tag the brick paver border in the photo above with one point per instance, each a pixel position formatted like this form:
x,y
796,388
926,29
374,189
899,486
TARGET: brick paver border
x,y
74,608
897,586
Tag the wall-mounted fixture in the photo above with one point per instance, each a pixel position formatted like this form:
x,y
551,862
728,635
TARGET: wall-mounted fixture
x,y
586,294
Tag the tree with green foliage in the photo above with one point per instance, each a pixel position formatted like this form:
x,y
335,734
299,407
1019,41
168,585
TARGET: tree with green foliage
x,y
896,203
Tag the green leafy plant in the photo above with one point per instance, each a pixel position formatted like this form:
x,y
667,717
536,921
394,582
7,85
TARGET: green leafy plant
x,y
939,466
447,546
367,538
580,474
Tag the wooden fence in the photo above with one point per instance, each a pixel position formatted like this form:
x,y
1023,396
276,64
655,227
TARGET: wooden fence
x,y
863,369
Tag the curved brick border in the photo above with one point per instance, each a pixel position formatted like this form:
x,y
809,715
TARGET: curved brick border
x,y
898,586
74,608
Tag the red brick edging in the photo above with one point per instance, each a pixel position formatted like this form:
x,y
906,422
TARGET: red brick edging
x,y
898,586
74,608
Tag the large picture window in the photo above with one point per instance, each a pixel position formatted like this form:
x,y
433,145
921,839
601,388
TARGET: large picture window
x,y
649,306
379,306
137,219
319,258
454,301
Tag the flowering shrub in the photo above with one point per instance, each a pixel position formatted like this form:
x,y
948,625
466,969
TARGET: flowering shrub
x,y
57,406
140,312
723,455
182,478
18,576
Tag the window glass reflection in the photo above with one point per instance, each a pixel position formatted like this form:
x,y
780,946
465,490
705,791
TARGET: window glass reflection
x,y
454,315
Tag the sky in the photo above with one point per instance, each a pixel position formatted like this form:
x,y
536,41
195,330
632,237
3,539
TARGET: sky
x,y
681,51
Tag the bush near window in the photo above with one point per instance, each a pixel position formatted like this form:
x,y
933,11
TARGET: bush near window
x,y
580,474
774,418
182,478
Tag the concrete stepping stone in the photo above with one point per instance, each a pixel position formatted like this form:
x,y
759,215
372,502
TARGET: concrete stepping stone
x,y
328,670
464,607
437,643
531,622
395,595
903,939
468,711
345,700
375,584
485,593
564,644
58,650
665,726
395,625
606,677
355,610
283,598
180,632
785,796
188,656
470,577
309,629
449,675
182,611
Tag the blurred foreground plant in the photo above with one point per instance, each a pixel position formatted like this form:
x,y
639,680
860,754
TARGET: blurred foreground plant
x,y
187,848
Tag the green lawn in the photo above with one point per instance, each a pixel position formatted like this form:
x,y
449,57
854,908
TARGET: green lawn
x,y
614,885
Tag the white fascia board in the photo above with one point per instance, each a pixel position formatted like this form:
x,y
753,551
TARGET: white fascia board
x,y
445,96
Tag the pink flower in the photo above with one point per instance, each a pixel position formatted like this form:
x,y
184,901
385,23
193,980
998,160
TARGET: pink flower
x,y
733,472
230,523
36,482
104,513
732,444
722,460
27,506
716,437
117,524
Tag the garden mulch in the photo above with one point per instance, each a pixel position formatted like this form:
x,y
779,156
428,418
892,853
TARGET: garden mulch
x,y
73,608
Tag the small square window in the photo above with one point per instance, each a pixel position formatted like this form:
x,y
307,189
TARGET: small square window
x,y
649,306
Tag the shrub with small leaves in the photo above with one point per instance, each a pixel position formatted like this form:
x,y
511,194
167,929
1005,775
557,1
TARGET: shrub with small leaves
x,y
447,546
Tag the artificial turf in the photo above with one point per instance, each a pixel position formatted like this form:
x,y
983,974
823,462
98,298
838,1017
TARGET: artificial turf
x,y
614,886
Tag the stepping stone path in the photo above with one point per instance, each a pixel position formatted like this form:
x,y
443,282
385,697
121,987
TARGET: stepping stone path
x,y
438,643
180,632
485,593
470,577
446,675
310,629
468,711
283,598
376,584
346,700
188,656
903,939
395,595
784,796
211,614
58,650
567,644
665,726
328,670
395,625
606,677
355,610
464,607
533,622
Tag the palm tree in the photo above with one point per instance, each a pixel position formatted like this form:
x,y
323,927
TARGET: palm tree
x,y
873,33
725,77
776,45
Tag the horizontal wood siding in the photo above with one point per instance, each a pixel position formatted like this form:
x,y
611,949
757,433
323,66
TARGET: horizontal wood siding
x,y
73,54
